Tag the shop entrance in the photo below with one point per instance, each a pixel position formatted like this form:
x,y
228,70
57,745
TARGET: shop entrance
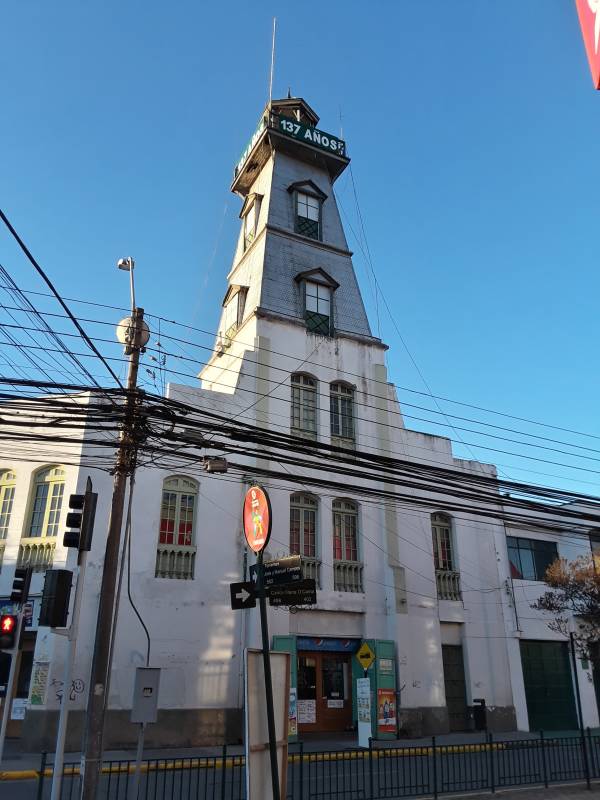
x,y
324,692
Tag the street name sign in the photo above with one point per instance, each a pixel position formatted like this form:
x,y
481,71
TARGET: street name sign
x,y
243,595
300,593
365,656
279,571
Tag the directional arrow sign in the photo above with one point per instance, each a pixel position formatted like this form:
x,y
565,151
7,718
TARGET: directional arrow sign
x,y
299,593
243,595
281,571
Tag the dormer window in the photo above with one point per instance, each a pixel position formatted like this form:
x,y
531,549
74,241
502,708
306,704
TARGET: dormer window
x,y
234,305
249,214
308,215
317,293
308,204
318,308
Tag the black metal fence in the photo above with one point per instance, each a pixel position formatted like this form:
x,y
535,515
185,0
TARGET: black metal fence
x,y
395,771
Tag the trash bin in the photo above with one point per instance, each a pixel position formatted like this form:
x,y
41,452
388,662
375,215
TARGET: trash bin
x,y
479,714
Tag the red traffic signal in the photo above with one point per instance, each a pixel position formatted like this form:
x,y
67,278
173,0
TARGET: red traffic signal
x,y
8,631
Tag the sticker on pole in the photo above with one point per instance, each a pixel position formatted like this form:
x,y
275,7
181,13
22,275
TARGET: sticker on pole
x,y
257,518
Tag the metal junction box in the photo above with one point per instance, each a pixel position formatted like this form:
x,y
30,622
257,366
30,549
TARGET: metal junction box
x,y
145,695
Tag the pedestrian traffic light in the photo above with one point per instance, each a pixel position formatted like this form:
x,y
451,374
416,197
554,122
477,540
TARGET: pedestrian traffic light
x,y
54,610
20,588
81,519
8,631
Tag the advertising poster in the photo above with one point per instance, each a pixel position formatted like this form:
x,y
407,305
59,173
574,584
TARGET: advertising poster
x,y
293,714
363,702
307,712
386,711
39,683
19,707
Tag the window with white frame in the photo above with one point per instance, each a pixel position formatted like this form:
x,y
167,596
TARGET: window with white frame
x,y
341,405
442,542
308,215
46,503
250,223
233,313
7,495
318,308
304,405
345,530
178,510
303,525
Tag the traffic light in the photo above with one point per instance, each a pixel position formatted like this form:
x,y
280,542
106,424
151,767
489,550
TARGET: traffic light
x,y
54,611
20,588
8,631
81,519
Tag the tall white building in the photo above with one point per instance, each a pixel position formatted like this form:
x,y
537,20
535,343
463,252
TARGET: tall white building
x,y
425,587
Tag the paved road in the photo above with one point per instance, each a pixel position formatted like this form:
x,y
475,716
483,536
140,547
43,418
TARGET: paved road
x,y
389,773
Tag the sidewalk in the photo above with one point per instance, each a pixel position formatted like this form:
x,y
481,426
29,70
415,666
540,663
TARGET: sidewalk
x,y
15,760
576,792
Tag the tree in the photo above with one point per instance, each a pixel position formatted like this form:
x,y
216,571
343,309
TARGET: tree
x,y
574,591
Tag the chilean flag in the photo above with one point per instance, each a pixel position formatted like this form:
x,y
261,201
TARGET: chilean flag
x,y
589,19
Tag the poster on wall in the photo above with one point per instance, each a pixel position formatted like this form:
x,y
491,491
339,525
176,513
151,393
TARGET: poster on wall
x,y
307,712
19,707
39,683
386,711
293,714
363,702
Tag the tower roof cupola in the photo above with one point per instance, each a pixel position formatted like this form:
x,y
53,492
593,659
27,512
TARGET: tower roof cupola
x,y
289,126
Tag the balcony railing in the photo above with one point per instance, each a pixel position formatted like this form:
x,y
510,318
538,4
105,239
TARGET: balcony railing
x,y
347,576
311,568
448,584
37,553
175,561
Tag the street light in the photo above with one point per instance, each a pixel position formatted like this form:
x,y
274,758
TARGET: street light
x,y
127,265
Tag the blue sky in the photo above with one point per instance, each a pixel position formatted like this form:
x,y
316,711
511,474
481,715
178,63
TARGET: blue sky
x,y
473,129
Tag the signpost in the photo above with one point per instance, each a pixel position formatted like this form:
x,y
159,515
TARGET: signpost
x,y
279,580
243,595
281,571
365,656
257,530
300,593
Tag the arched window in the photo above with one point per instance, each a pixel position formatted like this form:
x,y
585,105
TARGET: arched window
x,y
341,405
7,494
304,406
178,511
345,530
442,541
303,525
347,568
46,503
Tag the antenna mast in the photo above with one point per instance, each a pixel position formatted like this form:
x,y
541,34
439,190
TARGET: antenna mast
x,y
272,62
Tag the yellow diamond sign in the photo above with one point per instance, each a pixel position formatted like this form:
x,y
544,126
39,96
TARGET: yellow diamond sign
x,y
365,656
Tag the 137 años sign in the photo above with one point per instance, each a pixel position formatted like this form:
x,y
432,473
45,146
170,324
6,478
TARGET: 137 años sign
x,y
320,139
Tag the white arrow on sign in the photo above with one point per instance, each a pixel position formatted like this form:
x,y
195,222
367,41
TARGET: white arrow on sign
x,y
242,595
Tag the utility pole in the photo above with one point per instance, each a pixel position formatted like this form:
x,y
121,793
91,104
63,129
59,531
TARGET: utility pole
x,y
134,333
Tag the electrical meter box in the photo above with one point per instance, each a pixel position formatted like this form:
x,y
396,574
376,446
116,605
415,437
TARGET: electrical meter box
x,y
145,695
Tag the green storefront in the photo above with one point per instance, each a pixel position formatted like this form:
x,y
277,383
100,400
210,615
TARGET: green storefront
x,y
324,671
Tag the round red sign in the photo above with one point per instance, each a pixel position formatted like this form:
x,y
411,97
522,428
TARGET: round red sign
x,y
257,518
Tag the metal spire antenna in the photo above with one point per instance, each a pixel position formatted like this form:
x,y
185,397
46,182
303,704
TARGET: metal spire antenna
x,y
272,61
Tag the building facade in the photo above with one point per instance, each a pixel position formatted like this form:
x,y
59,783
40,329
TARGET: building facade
x,y
430,590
